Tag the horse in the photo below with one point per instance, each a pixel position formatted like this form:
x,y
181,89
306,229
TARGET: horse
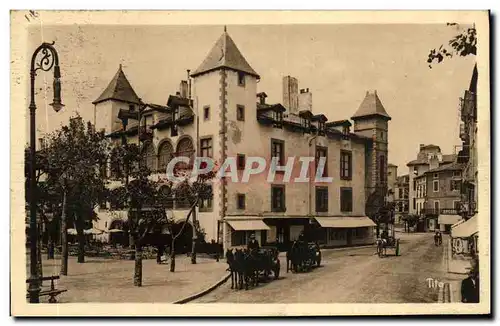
x,y
296,257
251,265
232,268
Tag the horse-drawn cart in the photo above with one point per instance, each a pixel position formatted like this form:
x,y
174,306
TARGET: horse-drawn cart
x,y
249,267
302,256
391,243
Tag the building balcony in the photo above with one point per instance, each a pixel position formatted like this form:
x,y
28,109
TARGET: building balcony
x,y
146,133
463,132
441,211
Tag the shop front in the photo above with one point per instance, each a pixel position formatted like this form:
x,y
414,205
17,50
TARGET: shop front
x,y
343,231
446,221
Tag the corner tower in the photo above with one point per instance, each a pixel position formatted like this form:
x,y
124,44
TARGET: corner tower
x,y
119,94
224,93
371,120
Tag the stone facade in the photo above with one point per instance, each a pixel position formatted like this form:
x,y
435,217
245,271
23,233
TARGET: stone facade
x,y
226,114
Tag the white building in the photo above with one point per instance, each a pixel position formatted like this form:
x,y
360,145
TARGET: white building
x,y
219,113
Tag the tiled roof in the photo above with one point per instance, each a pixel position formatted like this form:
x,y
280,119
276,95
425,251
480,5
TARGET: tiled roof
x,y
119,89
225,54
371,105
448,167
338,123
416,162
449,157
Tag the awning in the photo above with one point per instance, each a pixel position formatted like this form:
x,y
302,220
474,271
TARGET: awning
x,y
345,221
465,229
248,225
449,219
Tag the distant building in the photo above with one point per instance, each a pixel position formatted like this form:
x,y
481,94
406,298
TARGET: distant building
x,y
401,197
429,157
438,197
392,176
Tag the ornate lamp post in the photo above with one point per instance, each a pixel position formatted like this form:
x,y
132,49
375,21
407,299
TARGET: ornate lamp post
x,y
49,59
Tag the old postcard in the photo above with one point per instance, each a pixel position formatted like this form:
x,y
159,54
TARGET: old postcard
x,y
250,163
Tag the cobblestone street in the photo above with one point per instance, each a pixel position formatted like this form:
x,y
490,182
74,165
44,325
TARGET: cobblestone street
x,y
353,275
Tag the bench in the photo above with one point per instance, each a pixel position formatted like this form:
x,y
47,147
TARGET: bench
x,y
52,292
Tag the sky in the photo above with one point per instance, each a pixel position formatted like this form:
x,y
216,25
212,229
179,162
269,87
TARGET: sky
x,y
337,62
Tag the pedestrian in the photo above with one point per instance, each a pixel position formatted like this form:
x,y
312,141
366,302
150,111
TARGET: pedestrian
x,y
253,243
470,288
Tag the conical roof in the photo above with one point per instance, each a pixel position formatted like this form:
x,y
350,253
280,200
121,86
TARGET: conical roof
x,y
370,106
225,54
119,89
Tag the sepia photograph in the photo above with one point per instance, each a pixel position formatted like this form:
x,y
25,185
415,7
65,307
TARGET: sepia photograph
x,y
293,163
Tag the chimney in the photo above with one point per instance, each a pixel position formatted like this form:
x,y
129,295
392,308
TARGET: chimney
x,y
291,94
262,97
178,94
183,88
422,146
305,100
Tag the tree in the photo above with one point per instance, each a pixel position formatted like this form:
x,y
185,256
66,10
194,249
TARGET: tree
x,y
192,190
463,44
147,200
71,160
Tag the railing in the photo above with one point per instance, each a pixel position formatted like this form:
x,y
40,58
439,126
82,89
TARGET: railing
x,y
442,211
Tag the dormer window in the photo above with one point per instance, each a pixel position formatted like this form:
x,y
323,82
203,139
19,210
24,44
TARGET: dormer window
x,y
173,130
278,116
241,79
307,124
321,126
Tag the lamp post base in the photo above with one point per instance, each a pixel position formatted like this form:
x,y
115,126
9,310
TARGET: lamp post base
x,y
34,290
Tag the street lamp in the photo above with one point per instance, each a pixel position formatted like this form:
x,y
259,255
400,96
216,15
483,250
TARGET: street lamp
x,y
48,60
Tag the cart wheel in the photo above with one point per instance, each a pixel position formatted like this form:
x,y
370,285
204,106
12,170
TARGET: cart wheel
x,y
397,247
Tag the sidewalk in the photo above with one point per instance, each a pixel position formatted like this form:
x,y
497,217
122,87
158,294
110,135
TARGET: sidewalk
x,y
109,280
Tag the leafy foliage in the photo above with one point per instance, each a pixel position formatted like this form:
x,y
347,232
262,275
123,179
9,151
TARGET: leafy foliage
x,y
463,44
70,162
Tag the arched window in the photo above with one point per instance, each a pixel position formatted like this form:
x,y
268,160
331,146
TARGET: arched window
x,y
165,154
148,156
185,148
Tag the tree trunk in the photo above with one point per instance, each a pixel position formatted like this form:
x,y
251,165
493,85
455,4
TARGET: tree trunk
x,y
81,238
378,229
81,247
172,256
50,248
138,265
64,238
193,245
160,249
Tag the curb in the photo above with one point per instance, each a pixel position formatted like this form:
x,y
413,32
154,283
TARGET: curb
x,y
444,295
204,292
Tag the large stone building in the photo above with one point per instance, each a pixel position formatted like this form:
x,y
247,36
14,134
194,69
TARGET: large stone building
x,y
219,113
